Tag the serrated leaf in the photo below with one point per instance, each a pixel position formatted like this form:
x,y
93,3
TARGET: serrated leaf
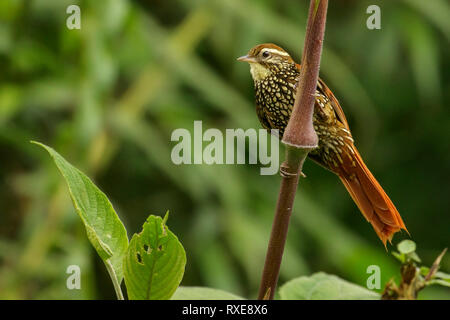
x,y
104,229
202,293
406,246
154,263
322,286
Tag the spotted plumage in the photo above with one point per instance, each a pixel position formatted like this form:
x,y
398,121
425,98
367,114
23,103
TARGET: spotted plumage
x,y
275,76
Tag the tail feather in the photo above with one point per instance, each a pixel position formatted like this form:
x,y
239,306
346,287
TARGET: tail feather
x,y
371,199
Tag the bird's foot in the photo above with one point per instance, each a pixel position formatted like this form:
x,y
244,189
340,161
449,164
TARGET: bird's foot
x,y
285,172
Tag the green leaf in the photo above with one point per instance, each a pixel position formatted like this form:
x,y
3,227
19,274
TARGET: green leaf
x,y
202,293
445,283
400,256
413,256
103,227
406,246
442,275
154,263
424,270
322,286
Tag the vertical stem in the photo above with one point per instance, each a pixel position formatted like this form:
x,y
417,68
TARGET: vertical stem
x,y
299,138
281,223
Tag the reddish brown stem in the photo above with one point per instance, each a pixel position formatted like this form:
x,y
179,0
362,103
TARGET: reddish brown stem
x,y
299,138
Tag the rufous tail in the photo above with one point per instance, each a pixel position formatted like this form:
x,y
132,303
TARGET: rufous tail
x,y
371,199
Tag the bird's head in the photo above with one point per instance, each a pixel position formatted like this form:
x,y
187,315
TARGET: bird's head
x,y
266,59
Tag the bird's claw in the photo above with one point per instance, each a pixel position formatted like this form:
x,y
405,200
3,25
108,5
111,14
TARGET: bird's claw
x,y
285,173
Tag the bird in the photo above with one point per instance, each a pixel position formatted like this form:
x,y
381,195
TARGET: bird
x,y
276,75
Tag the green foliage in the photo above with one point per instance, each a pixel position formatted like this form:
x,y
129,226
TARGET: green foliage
x,y
103,227
407,251
201,293
322,286
413,277
155,261
152,264
406,247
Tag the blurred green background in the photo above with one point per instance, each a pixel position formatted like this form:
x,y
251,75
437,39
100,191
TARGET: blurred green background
x,y
108,96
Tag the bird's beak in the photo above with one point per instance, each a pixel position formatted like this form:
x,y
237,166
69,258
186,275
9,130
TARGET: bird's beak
x,y
246,58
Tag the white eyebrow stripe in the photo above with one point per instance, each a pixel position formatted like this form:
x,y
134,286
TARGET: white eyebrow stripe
x,y
281,53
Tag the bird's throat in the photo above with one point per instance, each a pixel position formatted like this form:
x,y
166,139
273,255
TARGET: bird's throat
x,y
259,72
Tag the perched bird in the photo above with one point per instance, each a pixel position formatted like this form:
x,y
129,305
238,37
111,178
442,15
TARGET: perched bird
x,y
275,77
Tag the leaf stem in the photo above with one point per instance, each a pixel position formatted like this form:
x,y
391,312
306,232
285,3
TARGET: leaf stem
x,y
115,281
299,138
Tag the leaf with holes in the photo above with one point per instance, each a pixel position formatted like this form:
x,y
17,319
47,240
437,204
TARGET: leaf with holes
x,y
154,263
103,227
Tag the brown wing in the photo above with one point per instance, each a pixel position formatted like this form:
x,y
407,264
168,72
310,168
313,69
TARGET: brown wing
x,y
321,86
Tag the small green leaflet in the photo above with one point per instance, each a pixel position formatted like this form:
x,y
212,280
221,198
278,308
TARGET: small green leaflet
x,y
154,263
406,247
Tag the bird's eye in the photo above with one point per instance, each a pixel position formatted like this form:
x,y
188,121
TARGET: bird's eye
x,y
265,54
